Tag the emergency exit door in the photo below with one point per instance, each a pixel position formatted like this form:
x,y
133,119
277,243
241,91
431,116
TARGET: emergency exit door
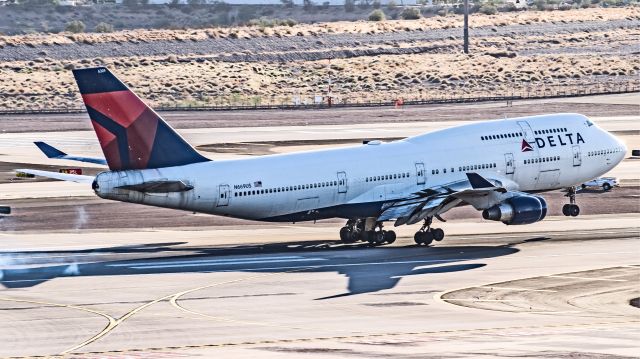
x,y
223,198
421,175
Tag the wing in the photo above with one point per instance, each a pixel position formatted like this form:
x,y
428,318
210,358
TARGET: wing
x,y
476,190
59,176
52,152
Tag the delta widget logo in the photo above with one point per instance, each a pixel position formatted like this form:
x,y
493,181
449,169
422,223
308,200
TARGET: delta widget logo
x,y
526,147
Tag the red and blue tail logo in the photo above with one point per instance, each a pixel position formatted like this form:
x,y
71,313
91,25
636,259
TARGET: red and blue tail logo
x,y
131,134
526,147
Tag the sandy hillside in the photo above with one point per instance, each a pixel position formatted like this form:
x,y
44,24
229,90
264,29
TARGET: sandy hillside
x,y
526,52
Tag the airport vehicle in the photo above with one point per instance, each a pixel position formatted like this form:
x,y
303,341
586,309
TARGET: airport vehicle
x,y
606,183
498,167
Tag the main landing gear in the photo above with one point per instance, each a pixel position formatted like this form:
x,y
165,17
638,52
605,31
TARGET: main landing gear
x,y
426,235
571,208
366,230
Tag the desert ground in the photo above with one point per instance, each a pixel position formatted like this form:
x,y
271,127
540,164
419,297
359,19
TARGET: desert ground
x,y
523,53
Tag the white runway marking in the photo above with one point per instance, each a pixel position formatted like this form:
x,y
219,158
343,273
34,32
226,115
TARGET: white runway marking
x,y
221,261
484,300
523,289
583,278
207,264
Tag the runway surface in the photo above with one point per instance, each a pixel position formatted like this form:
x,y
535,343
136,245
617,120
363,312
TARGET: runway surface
x,y
473,295
200,288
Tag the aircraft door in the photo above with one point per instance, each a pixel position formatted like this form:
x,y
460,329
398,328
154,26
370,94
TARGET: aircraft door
x,y
526,131
223,197
510,163
421,174
577,156
342,182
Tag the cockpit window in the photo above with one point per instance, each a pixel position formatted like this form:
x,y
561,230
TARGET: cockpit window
x,y
589,123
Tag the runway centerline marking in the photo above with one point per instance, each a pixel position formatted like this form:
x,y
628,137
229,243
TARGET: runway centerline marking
x,y
484,300
117,322
206,264
521,289
584,278
112,321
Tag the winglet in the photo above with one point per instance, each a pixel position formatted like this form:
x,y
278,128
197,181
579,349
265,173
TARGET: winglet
x,y
478,181
49,150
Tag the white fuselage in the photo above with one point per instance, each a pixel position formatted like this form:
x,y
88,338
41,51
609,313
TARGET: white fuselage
x,y
558,151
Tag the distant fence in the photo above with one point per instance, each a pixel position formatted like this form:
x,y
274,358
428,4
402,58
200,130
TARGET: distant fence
x,y
340,101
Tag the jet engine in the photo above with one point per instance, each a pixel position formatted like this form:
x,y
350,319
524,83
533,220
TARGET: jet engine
x,y
522,209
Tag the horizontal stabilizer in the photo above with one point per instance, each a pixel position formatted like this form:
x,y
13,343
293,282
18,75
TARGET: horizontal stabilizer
x,y
159,187
59,176
52,152
49,150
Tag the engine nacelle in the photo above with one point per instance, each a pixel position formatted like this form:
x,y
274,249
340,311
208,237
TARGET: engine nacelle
x,y
518,210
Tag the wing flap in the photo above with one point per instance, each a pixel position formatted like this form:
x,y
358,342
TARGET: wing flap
x,y
437,200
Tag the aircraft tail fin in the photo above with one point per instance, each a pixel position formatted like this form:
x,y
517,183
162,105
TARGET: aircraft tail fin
x,y
131,134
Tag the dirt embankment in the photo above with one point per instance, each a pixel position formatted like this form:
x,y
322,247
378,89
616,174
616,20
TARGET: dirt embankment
x,y
511,53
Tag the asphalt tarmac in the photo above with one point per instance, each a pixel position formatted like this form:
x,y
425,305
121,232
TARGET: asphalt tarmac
x,y
560,288
537,293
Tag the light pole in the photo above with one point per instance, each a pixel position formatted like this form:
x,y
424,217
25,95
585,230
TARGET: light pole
x,y
466,27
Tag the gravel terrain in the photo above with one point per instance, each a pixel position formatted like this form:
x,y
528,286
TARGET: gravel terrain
x,y
527,54
302,48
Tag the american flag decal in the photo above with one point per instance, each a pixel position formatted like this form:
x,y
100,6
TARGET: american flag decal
x,y
257,184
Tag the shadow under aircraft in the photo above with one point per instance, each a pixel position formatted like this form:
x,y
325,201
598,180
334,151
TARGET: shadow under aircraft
x,y
372,270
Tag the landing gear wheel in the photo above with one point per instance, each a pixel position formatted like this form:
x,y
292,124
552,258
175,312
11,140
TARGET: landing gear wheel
x,y
389,236
438,234
574,210
375,238
427,238
423,238
345,235
571,209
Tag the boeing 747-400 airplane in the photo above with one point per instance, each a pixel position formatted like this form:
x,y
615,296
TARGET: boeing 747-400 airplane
x,y
498,167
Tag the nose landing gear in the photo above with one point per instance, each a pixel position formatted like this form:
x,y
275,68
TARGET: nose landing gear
x,y
426,235
571,208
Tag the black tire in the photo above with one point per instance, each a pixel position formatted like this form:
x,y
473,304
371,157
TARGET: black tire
x,y
427,238
574,211
566,210
583,186
418,238
345,235
606,186
389,236
438,234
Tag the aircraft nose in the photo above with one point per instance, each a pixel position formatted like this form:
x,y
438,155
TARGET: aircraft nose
x,y
619,143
